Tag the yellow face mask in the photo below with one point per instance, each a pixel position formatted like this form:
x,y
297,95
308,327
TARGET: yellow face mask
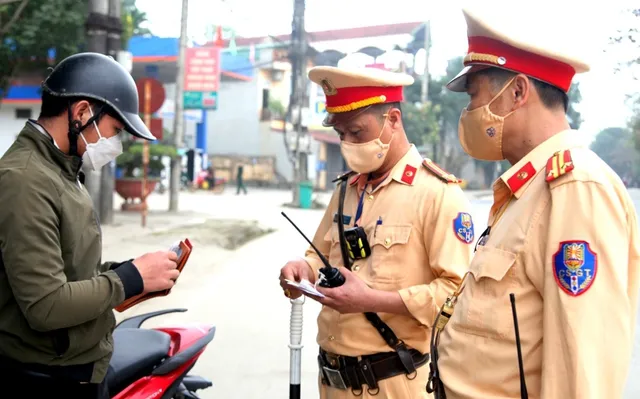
x,y
480,131
366,157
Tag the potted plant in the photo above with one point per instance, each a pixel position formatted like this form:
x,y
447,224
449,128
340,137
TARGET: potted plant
x,y
128,182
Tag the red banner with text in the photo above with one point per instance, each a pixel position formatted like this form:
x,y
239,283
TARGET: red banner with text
x,y
202,69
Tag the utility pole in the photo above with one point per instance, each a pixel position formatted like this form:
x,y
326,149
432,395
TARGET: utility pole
x,y
178,121
425,79
97,27
298,57
438,148
107,182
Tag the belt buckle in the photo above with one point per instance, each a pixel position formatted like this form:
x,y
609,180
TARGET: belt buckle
x,y
333,360
335,378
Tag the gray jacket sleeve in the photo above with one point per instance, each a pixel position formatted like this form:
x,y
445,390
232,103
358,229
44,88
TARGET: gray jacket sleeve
x,y
30,248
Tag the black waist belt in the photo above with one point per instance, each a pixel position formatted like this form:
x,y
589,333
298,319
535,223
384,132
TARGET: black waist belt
x,y
344,372
71,373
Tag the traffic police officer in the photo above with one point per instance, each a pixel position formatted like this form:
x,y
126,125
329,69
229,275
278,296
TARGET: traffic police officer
x,y
56,295
409,231
562,237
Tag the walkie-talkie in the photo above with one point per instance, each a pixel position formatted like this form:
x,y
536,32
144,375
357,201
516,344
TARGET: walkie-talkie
x,y
523,384
330,277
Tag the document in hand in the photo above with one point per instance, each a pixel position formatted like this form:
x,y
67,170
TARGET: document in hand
x,y
183,249
306,287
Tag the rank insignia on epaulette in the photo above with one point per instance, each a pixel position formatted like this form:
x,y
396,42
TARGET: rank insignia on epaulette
x,y
343,176
559,164
439,172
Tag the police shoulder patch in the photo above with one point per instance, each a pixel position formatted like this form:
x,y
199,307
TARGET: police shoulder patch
x,y
463,227
439,172
575,266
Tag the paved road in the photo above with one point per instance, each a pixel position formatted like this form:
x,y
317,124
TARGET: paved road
x,y
237,291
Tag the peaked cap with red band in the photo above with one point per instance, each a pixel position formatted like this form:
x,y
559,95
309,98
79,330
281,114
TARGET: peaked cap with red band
x,y
489,47
351,89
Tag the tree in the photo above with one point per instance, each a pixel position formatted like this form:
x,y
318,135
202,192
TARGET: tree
x,y
132,21
36,32
634,125
631,36
575,119
615,146
421,123
450,103
446,106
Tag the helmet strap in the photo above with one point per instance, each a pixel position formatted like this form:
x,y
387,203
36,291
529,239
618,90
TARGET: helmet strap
x,y
76,127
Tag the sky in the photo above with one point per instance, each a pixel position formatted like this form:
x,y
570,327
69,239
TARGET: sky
x,y
569,25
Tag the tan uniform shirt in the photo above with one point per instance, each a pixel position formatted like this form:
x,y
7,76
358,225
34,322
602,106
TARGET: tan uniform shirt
x,y
568,249
415,251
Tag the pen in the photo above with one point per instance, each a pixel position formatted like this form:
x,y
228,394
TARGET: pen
x,y
378,223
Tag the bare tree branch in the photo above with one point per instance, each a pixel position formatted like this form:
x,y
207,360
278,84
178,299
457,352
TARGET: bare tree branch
x,y
15,16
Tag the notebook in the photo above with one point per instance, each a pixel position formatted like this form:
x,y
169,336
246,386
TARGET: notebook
x,y
183,249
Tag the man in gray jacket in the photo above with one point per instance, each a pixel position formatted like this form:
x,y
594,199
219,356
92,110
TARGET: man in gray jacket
x,y
56,294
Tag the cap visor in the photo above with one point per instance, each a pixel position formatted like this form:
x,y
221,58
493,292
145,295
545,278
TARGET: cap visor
x,y
342,117
459,83
329,120
136,126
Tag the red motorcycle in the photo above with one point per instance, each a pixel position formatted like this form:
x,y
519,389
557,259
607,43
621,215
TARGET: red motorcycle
x,y
153,363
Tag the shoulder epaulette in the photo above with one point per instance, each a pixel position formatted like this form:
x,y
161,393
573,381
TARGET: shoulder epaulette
x,y
439,172
559,164
343,176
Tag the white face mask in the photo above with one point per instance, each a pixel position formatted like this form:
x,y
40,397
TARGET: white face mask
x,y
101,152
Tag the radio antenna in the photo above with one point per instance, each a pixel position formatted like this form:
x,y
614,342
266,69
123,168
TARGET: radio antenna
x,y
523,384
332,276
322,258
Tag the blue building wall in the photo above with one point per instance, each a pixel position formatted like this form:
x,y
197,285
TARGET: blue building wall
x,y
162,47
151,47
22,93
154,49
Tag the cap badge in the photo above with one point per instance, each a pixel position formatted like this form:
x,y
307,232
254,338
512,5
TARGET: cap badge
x,y
491,132
328,88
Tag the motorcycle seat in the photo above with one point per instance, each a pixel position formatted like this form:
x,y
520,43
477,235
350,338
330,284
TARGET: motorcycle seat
x,y
136,353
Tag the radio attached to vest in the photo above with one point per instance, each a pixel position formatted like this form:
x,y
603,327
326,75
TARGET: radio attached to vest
x,y
357,243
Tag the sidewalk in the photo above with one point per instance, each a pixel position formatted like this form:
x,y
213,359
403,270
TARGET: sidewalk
x,y
205,213
128,225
